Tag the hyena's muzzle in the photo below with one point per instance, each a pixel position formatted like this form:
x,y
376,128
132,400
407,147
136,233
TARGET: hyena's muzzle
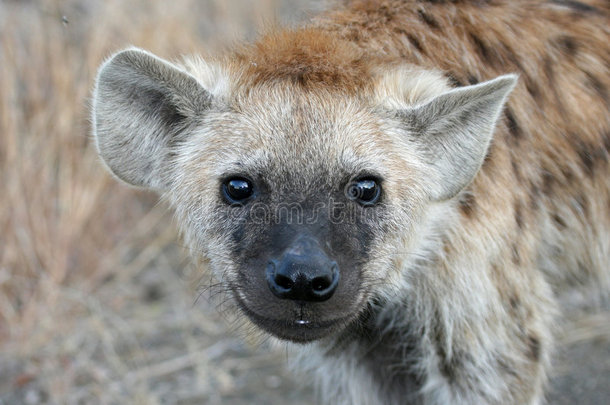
x,y
301,282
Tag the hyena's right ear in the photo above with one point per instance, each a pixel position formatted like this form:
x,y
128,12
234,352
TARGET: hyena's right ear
x,y
453,131
142,105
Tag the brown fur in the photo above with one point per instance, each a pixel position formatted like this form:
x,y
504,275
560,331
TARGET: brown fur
x,y
307,57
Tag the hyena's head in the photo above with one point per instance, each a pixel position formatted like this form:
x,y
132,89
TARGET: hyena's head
x,y
306,198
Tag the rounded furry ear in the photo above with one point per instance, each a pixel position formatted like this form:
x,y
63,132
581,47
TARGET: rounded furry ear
x,y
453,132
142,105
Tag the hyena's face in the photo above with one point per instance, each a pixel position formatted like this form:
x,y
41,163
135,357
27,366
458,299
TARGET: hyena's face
x,y
296,205
305,203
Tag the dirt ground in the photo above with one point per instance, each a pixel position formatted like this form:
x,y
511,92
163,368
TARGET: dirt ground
x,y
99,303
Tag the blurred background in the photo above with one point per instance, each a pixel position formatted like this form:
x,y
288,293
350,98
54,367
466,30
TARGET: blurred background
x,y
99,303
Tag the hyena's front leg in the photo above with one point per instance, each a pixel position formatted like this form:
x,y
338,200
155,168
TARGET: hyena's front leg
x,y
487,338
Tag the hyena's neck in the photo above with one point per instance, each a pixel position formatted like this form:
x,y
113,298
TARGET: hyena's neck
x,y
393,345
374,358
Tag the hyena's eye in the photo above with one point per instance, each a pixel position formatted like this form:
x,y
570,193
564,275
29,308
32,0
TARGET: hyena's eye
x,y
366,191
237,190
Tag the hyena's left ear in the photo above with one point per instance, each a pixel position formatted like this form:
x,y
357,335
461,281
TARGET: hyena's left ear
x,y
142,105
453,132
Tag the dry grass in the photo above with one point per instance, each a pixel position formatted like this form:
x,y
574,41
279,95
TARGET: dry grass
x,y
95,304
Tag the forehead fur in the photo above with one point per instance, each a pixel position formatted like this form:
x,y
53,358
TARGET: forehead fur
x,y
280,133
280,123
311,62
307,57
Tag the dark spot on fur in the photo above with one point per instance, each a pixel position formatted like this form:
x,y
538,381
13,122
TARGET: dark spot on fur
x,y
299,78
387,13
597,86
516,257
606,138
480,47
514,302
567,174
513,125
534,195
472,79
532,89
428,19
519,214
401,32
547,67
384,351
516,170
353,34
415,42
561,224
446,366
533,345
575,6
567,45
548,181
449,368
468,204
453,79
586,159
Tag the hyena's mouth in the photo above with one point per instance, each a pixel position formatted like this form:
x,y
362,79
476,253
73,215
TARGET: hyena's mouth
x,y
299,329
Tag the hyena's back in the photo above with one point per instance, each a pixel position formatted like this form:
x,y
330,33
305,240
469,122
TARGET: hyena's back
x,y
548,165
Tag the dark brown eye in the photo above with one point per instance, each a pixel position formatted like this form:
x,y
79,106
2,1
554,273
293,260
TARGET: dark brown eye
x,y
237,190
366,191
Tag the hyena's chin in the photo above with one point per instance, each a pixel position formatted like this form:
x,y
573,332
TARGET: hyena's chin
x,y
297,329
300,321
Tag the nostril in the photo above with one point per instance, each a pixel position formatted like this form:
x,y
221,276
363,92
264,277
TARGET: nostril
x,y
280,284
320,283
323,287
284,282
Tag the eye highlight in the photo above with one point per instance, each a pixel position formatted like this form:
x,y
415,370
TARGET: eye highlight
x,y
365,191
237,190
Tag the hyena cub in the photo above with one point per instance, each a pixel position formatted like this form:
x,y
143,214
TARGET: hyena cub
x,y
404,188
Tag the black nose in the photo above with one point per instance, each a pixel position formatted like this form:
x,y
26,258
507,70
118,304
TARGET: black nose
x,y
303,273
